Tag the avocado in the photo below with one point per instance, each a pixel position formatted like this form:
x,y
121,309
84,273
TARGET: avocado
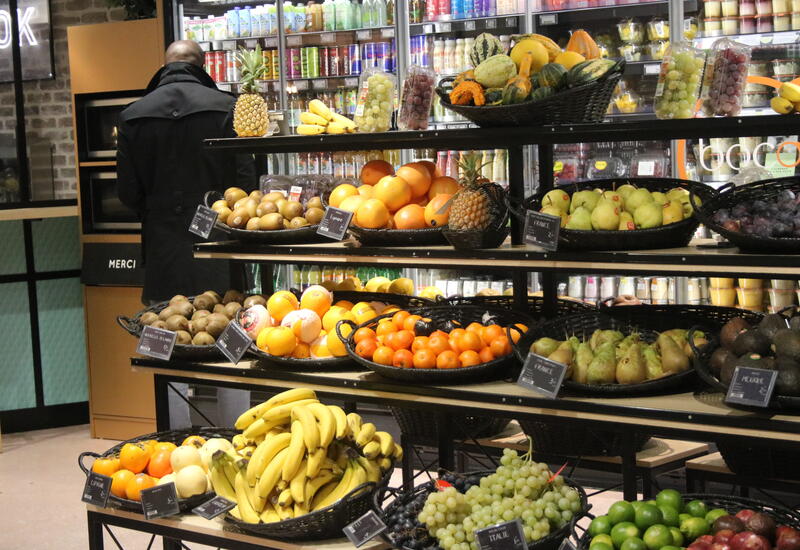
x,y
788,381
787,343
751,341
718,359
753,360
771,324
731,330
726,373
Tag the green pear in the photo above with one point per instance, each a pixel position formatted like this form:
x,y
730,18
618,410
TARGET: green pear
x,y
544,346
671,212
680,335
632,368
583,358
615,197
558,198
673,360
676,193
587,199
626,190
648,216
686,204
554,211
605,216
581,218
624,345
659,197
636,199
626,222
653,361
603,368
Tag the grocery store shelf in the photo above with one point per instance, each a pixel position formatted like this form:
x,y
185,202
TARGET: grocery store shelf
x,y
690,260
630,117
638,9
651,67
492,24
39,212
757,39
476,138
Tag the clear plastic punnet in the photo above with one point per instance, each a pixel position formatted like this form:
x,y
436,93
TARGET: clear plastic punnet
x,y
416,98
725,79
679,82
376,97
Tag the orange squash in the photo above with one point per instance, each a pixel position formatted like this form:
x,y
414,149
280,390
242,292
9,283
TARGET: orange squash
x,y
580,42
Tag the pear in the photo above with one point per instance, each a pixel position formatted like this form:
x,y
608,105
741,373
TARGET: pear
x,y
605,216
615,197
626,190
659,197
554,211
673,360
636,199
583,358
686,204
587,199
544,346
632,368
671,212
676,193
624,345
581,219
603,368
558,198
564,356
601,337
626,222
648,216
653,361
680,334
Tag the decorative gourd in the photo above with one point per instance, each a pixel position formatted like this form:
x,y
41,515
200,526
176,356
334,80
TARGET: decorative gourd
x,y
552,48
518,88
552,75
486,45
495,71
541,93
536,49
461,77
467,92
589,71
493,96
582,43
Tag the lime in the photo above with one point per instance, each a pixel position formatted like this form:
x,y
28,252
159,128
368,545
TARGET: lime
x,y
657,536
600,525
637,504
633,543
682,517
670,497
677,536
622,531
602,538
653,502
602,546
670,516
694,527
712,516
696,508
648,515
621,511
670,548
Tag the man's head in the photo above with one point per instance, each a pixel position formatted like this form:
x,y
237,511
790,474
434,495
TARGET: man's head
x,y
187,51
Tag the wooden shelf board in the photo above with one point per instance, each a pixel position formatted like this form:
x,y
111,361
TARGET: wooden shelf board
x,y
36,213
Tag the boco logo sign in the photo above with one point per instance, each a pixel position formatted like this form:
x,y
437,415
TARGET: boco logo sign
x,y
24,18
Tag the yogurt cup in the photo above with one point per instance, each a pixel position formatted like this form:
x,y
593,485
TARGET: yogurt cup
x,y
725,297
783,284
717,282
751,283
750,297
781,298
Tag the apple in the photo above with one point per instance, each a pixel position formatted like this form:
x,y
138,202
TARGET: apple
x,y
724,536
744,515
781,529
720,546
705,538
748,540
788,540
699,545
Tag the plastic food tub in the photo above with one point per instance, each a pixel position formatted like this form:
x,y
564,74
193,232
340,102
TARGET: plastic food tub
x,y
725,297
750,297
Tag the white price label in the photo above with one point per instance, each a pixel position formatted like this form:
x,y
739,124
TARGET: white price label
x,y
550,19
327,38
363,35
205,46
229,45
301,85
652,68
251,43
271,42
443,27
647,168
351,82
387,33
320,84
469,25
427,29
294,40
491,23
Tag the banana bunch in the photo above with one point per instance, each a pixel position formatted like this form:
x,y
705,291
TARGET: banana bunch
x,y
296,455
788,99
319,119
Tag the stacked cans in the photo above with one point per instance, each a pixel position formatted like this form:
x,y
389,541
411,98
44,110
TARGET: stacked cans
x,y
377,55
420,54
333,61
215,65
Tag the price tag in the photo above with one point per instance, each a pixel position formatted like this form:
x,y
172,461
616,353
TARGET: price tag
x,y
363,35
214,507
427,29
351,82
294,193
542,230
442,27
251,43
469,25
364,529
233,342
751,386
96,489
601,165
229,45
271,42
511,21
334,223
491,23
558,166
156,342
647,168
327,38
301,85
549,19
542,375
294,40
652,68
160,501
224,87
504,536
203,221
387,33
205,46
319,84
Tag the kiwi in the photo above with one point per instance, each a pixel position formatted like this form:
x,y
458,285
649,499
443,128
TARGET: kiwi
x,y
184,308
200,313
214,296
731,330
233,296
223,214
233,194
148,318
256,195
218,316
238,218
177,322
291,209
314,215
167,312
203,302
203,339
218,308
270,222
787,343
160,324
280,203
274,196
198,325
252,224
253,300
298,222
286,224
177,299
719,358
183,338
266,207
314,202
215,327
231,308
219,205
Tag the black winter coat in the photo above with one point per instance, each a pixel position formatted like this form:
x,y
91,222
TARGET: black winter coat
x,y
163,173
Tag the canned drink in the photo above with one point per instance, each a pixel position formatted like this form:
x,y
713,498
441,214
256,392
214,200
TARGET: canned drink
x,y
276,65
575,286
367,56
209,66
334,61
351,100
627,286
230,67
431,11
354,57
383,56
704,289
338,100
324,55
304,72
659,290
608,287
267,57
425,57
312,56
590,288
294,63
643,289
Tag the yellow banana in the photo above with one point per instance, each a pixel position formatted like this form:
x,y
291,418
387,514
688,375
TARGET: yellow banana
x,y
354,423
295,394
295,452
285,512
229,468
239,441
324,493
312,486
285,498
341,421
271,475
385,463
386,441
311,118
235,512
310,428
326,422
371,468
366,434
297,485
247,452
398,452
310,129
372,449
285,410
262,427
344,121
249,416
263,455
219,481
269,515
335,128
357,477
319,108
315,461
300,509
245,508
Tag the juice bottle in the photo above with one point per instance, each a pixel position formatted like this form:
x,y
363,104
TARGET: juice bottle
x,y
299,18
342,10
366,14
338,274
314,277
355,15
327,273
390,12
380,13
288,17
328,15
297,277
416,11
244,22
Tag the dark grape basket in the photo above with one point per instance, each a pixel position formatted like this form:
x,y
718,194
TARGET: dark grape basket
x,y
535,304
173,436
429,236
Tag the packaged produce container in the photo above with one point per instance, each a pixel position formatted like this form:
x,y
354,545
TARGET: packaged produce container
x,y
781,22
415,100
747,7
730,25
751,283
764,23
717,282
376,96
679,81
795,20
764,7
747,24
780,298
784,66
712,8
780,6
730,8
724,297
783,284
658,29
750,297
630,31
725,78
712,26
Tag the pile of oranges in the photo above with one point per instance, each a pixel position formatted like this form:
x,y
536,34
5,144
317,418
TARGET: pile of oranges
x,y
398,341
413,197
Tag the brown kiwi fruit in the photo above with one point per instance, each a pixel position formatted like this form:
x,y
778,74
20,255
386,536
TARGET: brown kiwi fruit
x,y
292,209
266,207
219,317
238,218
280,203
298,222
204,302
219,205
200,313
250,205
203,339
198,325
314,202
183,338
286,224
160,324
314,215
177,322
240,203
270,222
252,224
214,295
256,195
148,318
231,308
177,299
273,196
233,194
232,296
218,308
167,312
184,308
253,300
224,214
215,327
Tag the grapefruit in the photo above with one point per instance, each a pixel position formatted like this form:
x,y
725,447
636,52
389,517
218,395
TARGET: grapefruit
x,y
341,192
373,214
374,170
411,216
432,216
443,185
394,192
417,177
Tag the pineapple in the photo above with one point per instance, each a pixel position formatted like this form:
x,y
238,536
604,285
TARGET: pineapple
x,y
250,112
476,205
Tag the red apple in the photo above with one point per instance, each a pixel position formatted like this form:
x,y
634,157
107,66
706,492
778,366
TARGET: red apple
x,y
781,529
748,540
705,538
724,536
720,546
788,540
699,545
744,515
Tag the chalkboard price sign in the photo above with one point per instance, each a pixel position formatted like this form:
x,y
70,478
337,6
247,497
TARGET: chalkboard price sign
x,y
160,501
214,507
542,230
96,489
156,342
542,375
504,536
203,221
233,342
334,223
751,386
364,529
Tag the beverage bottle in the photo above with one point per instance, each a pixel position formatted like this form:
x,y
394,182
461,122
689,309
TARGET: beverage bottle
x,y
342,9
309,23
389,12
487,164
491,8
355,15
299,17
272,19
469,43
327,273
232,18
297,277
244,22
416,11
450,56
288,17
338,274
313,276
438,56
366,15
295,108
441,162
328,15
457,9
452,164
380,13
459,56
499,168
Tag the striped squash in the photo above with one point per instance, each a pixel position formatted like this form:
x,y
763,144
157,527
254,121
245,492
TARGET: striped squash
x,y
486,45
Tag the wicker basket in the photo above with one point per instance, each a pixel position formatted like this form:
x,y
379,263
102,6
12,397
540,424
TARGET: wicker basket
x,y
401,300
573,440
551,542
587,103
421,426
491,237
398,237
173,436
762,461
730,195
535,304
668,236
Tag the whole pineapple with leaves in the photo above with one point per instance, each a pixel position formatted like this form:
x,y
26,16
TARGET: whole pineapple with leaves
x,y
250,112
479,203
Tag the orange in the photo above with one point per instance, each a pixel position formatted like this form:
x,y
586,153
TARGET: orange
x,y
134,457
411,216
105,466
433,218
351,204
424,359
364,333
486,355
159,464
411,321
341,192
373,214
447,360
281,341
490,333
164,446
281,304
133,490
383,355
394,192
430,166
439,332
385,327
517,331
403,358
453,344
457,332
438,344
417,177
119,481
469,341
500,346
475,327
420,342
374,170
443,185
402,339
399,318
346,304
366,348
366,191
302,350
469,358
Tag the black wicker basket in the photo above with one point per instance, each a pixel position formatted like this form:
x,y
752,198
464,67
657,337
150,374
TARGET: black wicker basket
x,y
398,237
172,436
491,237
386,510
401,300
667,236
322,524
422,428
565,439
497,369
730,195
535,304
760,460
587,103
